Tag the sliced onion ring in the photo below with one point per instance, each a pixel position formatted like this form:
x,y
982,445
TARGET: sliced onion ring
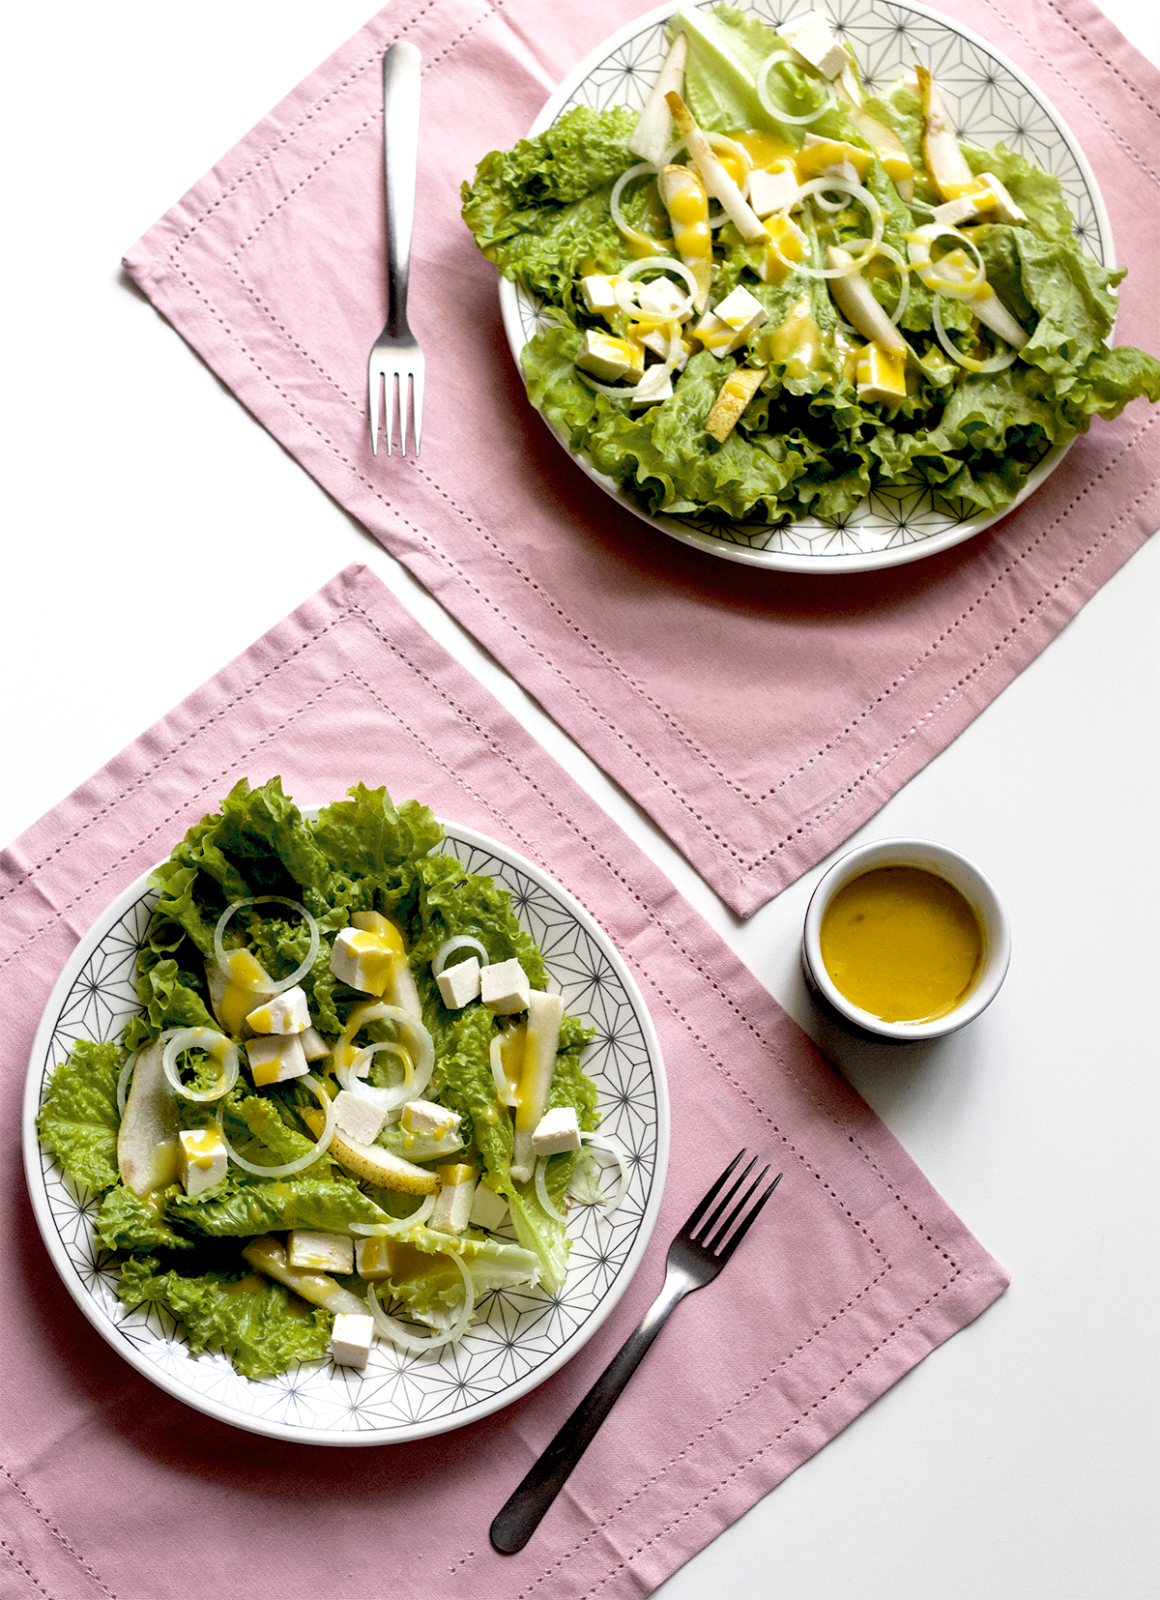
x,y
614,1148
505,1094
389,1230
995,363
410,1032
288,1168
176,1040
123,1082
542,1190
462,941
854,191
763,94
393,1330
301,970
633,235
918,246
393,1098
665,264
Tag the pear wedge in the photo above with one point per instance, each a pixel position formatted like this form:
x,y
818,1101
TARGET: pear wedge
x,y
148,1149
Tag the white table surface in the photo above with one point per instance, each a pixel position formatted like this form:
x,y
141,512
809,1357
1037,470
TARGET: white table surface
x,y
1019,1461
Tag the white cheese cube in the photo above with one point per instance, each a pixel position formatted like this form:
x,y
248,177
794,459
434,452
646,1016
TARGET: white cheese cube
x,y
657,340
599,293
881,376
488,1209
459,984
431,1120
657,384
319,1252
453,1202
373,1258
504,987
203,1159
660,297
350,1343
314,1046
729,324
952,212
362,960
358,1118
608,358
772,189
811,36
276,1057
556,1131
288,1012
1005,207
990,201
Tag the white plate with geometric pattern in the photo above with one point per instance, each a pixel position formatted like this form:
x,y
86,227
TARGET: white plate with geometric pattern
x,y
522,1336
990,100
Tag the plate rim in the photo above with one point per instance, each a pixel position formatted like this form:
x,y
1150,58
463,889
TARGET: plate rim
x,y
793,561
38,1194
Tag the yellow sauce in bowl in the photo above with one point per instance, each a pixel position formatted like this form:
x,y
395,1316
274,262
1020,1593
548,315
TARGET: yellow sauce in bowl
x,y
901,943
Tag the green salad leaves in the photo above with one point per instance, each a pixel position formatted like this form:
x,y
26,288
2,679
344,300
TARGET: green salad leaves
x,y
815,439
181,1249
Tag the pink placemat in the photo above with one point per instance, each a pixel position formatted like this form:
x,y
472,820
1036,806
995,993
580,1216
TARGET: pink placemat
x,y
112,1489
759,717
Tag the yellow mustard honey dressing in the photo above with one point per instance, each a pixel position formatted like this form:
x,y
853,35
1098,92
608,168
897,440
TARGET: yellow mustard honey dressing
x,y
901,943
761,147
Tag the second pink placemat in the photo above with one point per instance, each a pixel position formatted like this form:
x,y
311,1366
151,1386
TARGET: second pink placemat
x,y
759,717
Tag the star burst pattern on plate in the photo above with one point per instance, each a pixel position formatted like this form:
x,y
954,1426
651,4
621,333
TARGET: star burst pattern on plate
x,y
522,1335
991,103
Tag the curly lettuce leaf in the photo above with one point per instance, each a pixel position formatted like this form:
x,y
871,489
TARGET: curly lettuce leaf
x,y
126,1222
78,1120
258,1324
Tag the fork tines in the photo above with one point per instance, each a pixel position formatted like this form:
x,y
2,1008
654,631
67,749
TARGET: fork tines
x,y
392,383
710,1231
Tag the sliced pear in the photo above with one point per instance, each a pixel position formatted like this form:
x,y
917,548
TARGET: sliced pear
x,y
732,398
855,300
372,1163
541,1043
148,1147
944,159
268,1255
654,127
687,204
717,181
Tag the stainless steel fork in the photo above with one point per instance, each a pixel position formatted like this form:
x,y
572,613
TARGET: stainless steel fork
x,y
695,1257
395,355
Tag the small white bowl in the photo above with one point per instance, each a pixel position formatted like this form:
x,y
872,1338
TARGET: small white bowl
x,y
962,875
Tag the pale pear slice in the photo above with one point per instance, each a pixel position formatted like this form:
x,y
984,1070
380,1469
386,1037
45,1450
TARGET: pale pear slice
x,y
854,298
541,1043
372,1163
944,159
148,1148
268,1255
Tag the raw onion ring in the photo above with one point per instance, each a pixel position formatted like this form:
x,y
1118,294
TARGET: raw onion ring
x,y
854,191
542,1190
614,1148
505,1094
123,1077
177,1040
995,363
301,970
625,228
920,260
410,1032
393,1330
762,86
462,941
389,1230
300,1163
352,1076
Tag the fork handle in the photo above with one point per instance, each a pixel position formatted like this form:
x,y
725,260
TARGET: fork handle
x,y
401,67
521,1516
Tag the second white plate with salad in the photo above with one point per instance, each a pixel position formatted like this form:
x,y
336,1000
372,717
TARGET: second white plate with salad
x,y
522,1335
991,102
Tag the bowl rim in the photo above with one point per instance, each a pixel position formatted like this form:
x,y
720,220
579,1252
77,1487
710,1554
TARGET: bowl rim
x,y
962,874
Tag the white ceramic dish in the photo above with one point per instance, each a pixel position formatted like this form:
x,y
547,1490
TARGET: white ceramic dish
x,y
523,1336
990,101
971,884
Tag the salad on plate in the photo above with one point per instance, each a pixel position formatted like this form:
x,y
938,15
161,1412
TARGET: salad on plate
x,y
350,1104
771,294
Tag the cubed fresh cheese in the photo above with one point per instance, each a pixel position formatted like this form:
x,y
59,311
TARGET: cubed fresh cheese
x,y
319,1252
314,1046
372,1258
599,293
731,321
362,960
556,1131
988,199
831,156
657,384
431,1120
504,987
203,1159
772,189
880,375
660,297
952,212
276,1057
609,358
358,1118
288,1012
459,984
814,40
351,1340
453,1202
488,1209
657,340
